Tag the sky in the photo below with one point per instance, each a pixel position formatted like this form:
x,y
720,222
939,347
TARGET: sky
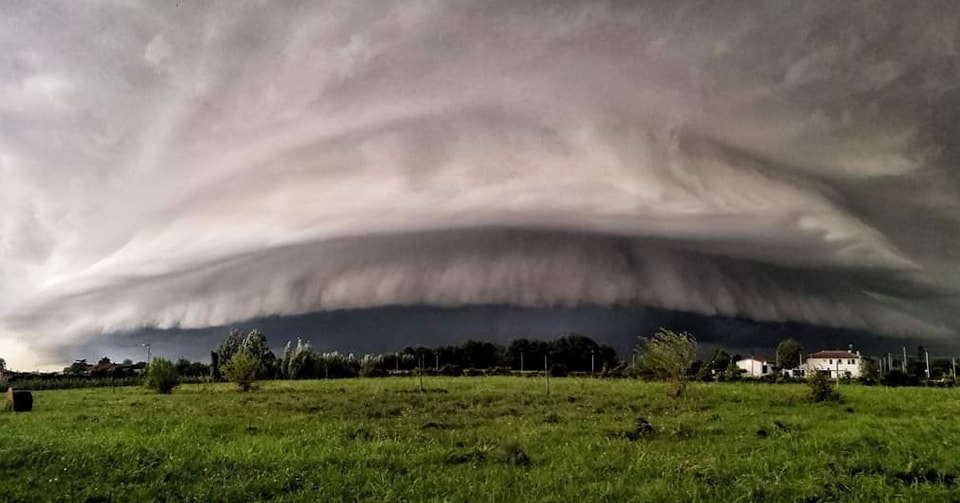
x,y
176,166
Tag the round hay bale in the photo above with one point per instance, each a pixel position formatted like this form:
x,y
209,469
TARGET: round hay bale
x,y
18,400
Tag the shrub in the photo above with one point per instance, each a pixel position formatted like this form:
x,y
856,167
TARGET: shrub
x,y
895,378
451,370
668,356
371,368
821,389
242,369
559,370
162,376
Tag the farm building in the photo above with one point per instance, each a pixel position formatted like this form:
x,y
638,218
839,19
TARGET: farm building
x,y
756,367
836,363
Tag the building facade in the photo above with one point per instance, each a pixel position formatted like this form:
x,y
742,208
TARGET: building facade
x,y
837,364
756,367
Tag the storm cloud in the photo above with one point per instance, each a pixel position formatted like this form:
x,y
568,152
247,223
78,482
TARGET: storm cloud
x,y
186,165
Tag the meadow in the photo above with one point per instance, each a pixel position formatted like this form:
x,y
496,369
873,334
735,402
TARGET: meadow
x,y
482,439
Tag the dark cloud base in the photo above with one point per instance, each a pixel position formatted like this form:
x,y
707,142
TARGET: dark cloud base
x,y
385,329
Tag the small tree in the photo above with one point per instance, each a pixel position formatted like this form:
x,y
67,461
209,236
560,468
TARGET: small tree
x,y
161,376
242,369
668,356
821,389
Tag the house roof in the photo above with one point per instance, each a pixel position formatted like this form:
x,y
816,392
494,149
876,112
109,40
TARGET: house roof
x,y
834,354
756,358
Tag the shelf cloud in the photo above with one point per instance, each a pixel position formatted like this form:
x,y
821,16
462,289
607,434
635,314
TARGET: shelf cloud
x,y
195,164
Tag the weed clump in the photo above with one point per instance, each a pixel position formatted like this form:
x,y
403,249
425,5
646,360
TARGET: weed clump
x,y
512,454
642,430
821,389
162,376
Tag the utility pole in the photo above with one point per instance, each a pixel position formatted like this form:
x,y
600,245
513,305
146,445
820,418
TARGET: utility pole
x,y
926,356
521,360
396,358
147,345
953,366
904,359
421,372
438,361
592,371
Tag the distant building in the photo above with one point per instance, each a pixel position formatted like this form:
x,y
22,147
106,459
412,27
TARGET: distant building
x,y
756,367
835,363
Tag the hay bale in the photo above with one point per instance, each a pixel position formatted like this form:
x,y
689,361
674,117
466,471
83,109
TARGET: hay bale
x,y
18,400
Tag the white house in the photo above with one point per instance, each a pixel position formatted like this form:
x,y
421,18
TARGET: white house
x,y
836,363
755,367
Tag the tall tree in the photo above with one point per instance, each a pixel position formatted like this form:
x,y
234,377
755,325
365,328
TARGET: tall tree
x,y
254,343
789,352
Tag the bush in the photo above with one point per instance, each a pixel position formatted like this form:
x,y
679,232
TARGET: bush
x,y
371,368
242,369
895,378
451,370
559,370
668,356
821,389
162,376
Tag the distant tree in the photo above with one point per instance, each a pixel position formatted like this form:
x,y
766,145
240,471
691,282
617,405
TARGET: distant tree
x,y
869,371
127,361
789,352
78,367
575,352
719,362
896,378
668,357
298,362
533,352
3,365
183,366
254,343
242,369
161,376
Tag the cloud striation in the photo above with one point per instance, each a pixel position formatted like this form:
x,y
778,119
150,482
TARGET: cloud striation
x,y
198,164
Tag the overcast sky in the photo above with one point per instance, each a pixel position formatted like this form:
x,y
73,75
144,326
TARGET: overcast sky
x,y
195,164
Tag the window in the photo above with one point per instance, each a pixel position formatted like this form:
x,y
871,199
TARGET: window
x,y
831,362
850,362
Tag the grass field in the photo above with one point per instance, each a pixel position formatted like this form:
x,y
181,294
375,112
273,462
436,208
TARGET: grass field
x,y
483,439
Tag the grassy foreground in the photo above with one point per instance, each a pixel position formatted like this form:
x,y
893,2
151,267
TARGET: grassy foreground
x,y
482,439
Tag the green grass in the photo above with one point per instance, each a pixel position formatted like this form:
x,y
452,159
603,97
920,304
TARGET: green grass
x,y
482,439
